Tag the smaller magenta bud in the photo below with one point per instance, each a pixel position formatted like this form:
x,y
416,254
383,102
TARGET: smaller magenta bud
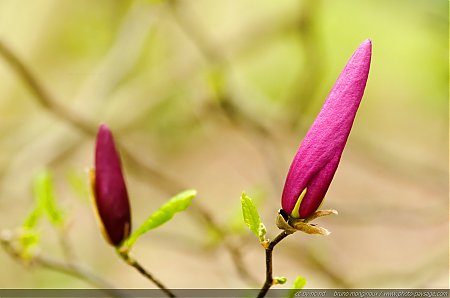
x,y
109,189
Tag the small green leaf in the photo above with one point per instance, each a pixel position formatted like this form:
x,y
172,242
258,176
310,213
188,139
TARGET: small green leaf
x,y
299,283
44,194
29,240
176,204
279,280
32,218
251,217
234,221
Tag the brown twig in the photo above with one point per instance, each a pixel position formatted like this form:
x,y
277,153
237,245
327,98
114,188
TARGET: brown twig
x,y
132,262
269,277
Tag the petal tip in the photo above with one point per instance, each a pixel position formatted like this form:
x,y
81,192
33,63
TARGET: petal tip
x,y
103,128
367,44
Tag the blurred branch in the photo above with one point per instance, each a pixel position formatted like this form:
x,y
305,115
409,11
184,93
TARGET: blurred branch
x,y
135,27
232,112
163,182
41,94
308,79
203,44
69,268
241,268
64,241
420,271
262,137
321,266
238,46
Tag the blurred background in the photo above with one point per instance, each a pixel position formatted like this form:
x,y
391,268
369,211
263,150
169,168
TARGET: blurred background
x,y
216,95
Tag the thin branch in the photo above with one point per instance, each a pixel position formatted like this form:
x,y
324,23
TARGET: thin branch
x,y
132,262
262,137
42,95
72,269
300,99
238,260
64,241
133,31
269,277
164,182
259,133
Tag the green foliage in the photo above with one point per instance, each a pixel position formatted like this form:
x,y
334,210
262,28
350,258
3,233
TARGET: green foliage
x,y
251,217
32,219
299,283
45,205
176,204
45,199
279,280
234,221
29,240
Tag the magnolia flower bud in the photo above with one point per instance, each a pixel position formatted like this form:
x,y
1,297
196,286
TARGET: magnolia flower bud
x,y
109,189
318,157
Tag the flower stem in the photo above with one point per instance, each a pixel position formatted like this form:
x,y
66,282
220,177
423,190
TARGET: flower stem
x,y
132,262
269,278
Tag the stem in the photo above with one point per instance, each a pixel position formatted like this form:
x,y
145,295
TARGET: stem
x,y
269,278
132,262
72,269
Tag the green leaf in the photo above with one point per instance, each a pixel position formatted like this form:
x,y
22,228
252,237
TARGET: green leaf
x,y
44,194
234,221
251,217
29,240
32,218
176,204
279,280
299,283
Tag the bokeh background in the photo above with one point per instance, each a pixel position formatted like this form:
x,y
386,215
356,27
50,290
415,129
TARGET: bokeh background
x,y
216,95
